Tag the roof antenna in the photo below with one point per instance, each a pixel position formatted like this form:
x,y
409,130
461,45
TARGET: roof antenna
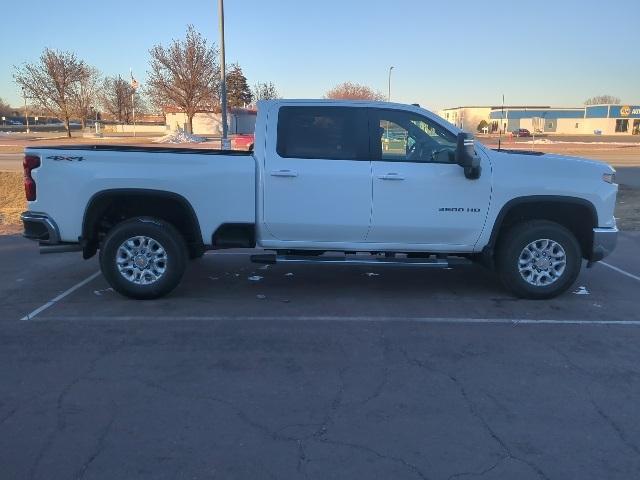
x,y
500,126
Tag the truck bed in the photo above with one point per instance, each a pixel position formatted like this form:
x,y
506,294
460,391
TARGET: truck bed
x,y
138,148
218,184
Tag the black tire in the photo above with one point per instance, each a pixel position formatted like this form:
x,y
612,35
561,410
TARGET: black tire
x,y
512,245
165,235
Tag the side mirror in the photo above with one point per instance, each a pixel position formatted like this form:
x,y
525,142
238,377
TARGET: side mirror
x,y
466,156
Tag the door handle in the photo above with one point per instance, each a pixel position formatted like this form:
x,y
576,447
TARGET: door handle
x,y
391,176
284,173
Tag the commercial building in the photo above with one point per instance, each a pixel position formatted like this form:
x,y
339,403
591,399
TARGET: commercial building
x,y
612,119
538,120
469,118
589,120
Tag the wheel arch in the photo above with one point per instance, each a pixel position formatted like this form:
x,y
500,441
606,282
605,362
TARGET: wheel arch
x,y
112,205
577,214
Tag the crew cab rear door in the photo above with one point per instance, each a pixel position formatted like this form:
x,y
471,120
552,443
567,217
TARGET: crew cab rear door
x,y
420,196
317,175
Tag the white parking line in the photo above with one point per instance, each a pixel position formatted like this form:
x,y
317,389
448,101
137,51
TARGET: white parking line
x,y
428,320
53,301
619,270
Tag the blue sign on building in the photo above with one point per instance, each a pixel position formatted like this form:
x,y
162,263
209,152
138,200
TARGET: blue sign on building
x,y
624,111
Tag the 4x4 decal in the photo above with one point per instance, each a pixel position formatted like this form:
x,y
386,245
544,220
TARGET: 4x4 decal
x,y
59,158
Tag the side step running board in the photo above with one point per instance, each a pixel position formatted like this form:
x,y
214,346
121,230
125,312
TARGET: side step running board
x,y
363,260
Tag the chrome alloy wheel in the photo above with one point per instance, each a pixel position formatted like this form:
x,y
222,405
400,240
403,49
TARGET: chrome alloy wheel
x,y
542,262
141,260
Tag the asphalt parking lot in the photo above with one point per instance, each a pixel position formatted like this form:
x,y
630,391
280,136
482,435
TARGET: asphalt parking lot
x,y
316,372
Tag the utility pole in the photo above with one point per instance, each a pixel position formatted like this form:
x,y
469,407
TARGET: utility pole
x,y
26,115
389,96
225,144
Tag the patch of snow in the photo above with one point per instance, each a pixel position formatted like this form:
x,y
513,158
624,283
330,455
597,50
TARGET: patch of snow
x,y
261,297
180,136
546,141
104,290
582,291
371,274
288,274
264,267
255,278
213,278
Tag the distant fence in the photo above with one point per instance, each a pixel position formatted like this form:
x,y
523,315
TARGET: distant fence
x,y
51,127
141,128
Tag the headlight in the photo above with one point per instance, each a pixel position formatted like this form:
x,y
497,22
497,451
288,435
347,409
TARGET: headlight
x,y
609,177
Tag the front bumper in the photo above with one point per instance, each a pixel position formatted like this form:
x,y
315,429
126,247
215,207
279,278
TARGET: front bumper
x,y
604,242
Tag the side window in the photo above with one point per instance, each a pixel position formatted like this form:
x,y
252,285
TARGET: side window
x,y
332,133
409,137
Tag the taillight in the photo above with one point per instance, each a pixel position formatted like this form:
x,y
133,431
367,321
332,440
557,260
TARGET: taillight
x,y
29,163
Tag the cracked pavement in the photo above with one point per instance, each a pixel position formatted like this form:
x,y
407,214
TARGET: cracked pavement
x,y
293,398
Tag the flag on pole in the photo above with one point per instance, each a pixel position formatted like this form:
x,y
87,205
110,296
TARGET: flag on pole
x,y
134,83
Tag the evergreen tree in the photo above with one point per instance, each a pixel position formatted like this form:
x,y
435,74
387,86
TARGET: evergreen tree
x,y
238,91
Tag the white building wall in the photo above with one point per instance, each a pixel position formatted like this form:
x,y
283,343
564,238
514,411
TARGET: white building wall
x,y
209,123
466,118
567,126
205,123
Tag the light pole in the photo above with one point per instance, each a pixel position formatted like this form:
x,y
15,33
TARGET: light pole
x,y
26,116
224,142
389,96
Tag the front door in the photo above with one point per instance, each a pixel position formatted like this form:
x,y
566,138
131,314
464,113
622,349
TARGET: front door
x,y
317,176
420,196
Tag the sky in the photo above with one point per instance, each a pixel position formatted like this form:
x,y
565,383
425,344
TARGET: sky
x,y
444,53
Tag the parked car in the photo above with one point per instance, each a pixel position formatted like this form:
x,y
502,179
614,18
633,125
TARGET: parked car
x,y
242,141
521,132
320,181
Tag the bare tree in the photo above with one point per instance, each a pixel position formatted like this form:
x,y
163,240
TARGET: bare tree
x,y
238,91
118,99
184,75
5,109
51,81
85,94
353,91
602,99
265,91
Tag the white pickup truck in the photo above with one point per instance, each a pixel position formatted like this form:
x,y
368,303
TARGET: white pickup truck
x,y
349,182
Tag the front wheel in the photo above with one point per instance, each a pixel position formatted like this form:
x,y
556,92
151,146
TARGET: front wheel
x,y
143,258
538,259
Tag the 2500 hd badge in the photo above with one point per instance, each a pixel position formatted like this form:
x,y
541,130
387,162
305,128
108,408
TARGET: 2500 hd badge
x,y
460,209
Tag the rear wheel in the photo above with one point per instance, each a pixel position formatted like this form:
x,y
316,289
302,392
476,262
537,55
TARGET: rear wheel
x,y
538,259
143,258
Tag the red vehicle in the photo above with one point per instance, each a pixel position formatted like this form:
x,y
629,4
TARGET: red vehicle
x,y
242,141
521,132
